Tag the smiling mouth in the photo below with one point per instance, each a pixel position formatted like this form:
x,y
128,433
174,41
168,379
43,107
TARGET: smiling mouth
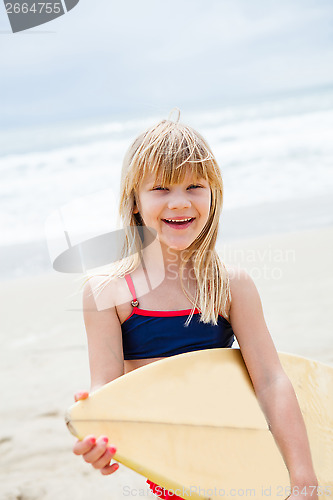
x,y
181,223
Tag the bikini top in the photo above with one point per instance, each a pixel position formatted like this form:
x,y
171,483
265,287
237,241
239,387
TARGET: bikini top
x,y
157,334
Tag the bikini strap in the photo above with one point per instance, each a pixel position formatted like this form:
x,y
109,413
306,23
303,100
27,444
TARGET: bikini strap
x,y
129,282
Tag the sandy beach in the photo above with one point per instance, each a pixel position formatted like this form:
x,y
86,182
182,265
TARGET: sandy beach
x,y
44,359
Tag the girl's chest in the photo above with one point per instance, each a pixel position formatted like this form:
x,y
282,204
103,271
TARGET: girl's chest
x,y
169,302
161,298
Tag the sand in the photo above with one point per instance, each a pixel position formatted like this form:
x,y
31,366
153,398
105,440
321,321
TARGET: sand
x,y
44,359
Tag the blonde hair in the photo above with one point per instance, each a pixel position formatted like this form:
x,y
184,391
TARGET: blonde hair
x,y
166,150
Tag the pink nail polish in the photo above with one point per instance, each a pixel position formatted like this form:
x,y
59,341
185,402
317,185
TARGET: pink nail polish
x,y
115,466
112,450
92,440
105,439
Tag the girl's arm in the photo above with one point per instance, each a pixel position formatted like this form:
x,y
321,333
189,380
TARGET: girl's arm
x,y
106,363
273,389
104,335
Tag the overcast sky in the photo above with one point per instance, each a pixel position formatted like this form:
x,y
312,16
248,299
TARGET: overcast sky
x,y
107,58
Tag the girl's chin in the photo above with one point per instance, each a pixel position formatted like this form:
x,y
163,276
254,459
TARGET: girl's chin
x,y
175,245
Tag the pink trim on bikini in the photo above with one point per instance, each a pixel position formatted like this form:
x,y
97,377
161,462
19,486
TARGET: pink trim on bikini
x,y
161,314
130,286
147,312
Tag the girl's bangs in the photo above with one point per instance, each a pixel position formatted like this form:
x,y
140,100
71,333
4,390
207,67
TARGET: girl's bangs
x,y
168,156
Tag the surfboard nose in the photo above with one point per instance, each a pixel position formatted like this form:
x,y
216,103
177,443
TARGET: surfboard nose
x,y
70,425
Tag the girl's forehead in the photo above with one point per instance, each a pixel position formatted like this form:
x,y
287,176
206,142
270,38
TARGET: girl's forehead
x,y
188,176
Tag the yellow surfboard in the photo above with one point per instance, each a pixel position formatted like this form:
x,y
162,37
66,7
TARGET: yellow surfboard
x,y
192,424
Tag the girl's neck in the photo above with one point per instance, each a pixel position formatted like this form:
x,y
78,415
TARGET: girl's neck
x,y
161,266
163,258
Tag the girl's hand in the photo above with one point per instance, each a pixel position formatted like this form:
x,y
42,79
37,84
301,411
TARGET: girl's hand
x,y
306,493
305,487
95,451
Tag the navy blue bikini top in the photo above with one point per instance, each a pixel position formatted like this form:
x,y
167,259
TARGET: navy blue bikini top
x,y
157,334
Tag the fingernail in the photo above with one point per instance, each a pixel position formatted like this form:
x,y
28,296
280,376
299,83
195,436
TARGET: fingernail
x,y
115,466
112,450
80,395
105,439
92,440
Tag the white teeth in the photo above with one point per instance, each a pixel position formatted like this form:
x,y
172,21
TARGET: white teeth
x,y
178,220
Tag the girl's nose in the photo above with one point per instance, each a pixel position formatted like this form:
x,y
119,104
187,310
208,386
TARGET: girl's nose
x,y
178,201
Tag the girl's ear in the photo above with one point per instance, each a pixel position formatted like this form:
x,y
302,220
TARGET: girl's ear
x,y
135,209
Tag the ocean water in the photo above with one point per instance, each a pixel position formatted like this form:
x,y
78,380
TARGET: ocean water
x,y
274,153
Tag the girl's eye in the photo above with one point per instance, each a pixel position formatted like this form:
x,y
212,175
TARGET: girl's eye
x,y
160,188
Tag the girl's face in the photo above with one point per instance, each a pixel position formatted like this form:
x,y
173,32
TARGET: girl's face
x,y
178,212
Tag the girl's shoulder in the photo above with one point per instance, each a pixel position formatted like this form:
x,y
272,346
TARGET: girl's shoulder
x,y
239,279
243,291
104,292
236,273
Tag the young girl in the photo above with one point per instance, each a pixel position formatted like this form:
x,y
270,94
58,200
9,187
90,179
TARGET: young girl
x,y
172,185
